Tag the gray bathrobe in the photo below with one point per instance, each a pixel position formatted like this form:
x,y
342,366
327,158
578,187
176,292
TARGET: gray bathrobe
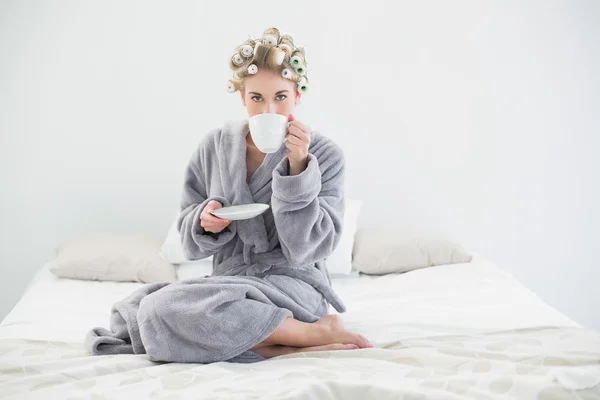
x,y
265,269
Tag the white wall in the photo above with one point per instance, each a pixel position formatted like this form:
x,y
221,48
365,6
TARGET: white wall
x,y
477,118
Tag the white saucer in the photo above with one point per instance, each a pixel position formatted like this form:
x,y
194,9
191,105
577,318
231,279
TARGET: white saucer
x,y
244,211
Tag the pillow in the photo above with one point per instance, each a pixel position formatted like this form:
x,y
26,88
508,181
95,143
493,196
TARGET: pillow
x,y
112,257
381,251
172,250
196,269
338,263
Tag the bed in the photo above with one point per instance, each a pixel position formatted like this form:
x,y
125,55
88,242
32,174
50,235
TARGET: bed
x,y
467,330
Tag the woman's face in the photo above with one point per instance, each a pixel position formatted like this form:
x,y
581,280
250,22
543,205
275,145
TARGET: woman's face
x,y
269,92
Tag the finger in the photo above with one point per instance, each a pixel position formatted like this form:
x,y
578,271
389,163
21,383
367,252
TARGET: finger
x,y
213,229
208,210
292,147
295,140
212,219
216,227
222,221
295,131
214,205
302,127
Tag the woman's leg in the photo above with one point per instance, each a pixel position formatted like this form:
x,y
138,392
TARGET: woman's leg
x,y
328,330
200,321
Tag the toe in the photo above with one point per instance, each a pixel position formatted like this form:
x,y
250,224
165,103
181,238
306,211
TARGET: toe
x,y
365,342
340,346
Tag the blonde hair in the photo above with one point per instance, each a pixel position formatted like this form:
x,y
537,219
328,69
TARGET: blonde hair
x,y
273,51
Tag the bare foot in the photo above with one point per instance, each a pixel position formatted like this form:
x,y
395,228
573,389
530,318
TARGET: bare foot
x,y
276,350
325,347
338,334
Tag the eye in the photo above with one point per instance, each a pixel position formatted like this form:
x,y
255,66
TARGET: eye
x,y
281,97
257,99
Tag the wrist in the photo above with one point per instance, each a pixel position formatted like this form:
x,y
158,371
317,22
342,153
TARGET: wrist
x,y
298,166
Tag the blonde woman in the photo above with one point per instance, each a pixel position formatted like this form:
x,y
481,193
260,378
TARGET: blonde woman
x,y
270,291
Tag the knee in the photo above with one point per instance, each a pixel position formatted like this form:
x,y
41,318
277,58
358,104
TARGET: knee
x,y
175,331
155,329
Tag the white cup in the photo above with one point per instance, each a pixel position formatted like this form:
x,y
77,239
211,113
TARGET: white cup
x,y
268,131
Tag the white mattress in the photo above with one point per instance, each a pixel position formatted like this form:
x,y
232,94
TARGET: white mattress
x,y
450,299
454,331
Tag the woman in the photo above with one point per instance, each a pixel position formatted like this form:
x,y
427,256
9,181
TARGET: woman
x,y
269,292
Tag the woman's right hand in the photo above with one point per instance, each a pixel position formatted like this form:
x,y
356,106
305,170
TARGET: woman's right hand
x,y
209,222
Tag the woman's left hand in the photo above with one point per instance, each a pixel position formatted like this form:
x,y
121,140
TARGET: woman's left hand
x,y
297,142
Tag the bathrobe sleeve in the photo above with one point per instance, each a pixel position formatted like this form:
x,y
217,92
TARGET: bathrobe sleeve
x,y
308,208
196,242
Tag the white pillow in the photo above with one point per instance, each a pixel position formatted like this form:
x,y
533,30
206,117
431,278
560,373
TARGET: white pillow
x,y
112,257
385,251
196,269
338,263
171,249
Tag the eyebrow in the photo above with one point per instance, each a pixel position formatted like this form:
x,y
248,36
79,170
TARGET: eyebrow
x,y
281,91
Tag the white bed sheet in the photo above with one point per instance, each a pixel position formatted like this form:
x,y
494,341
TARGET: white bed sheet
x,y
455,331
463,298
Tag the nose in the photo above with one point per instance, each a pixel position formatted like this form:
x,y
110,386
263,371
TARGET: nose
x,y
270,108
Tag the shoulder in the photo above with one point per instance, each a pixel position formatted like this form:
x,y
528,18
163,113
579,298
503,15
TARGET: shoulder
x,y
205,147
329,157
211,138
216,138
325,150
